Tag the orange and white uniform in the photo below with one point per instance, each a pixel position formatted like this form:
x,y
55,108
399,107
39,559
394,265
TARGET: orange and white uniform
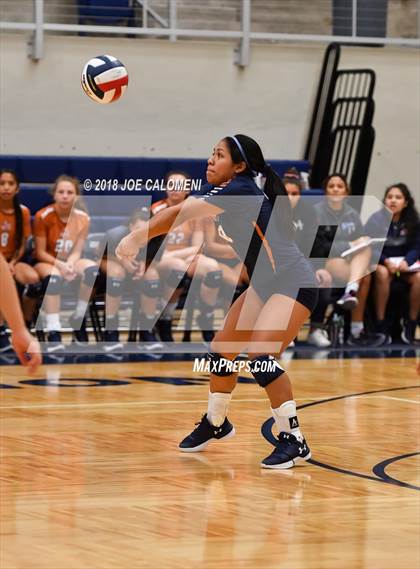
x,y
60,236
8,231
180,237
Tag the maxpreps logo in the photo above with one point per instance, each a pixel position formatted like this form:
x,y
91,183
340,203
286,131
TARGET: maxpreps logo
x,y
224,366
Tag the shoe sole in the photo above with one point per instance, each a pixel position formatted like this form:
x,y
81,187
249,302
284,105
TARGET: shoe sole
x,y
206,444
289,464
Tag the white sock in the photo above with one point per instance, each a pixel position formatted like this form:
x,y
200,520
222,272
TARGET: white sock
x,y
81,308
352,287
356,329
286,419
218,407
53,322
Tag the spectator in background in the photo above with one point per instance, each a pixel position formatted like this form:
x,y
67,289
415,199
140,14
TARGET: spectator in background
x,y
342,229
181,257
60,231
400,251
15,230
139,274
305,225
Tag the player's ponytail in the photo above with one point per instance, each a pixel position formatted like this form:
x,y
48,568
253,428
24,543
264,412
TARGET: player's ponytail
x,y
17,209
245,149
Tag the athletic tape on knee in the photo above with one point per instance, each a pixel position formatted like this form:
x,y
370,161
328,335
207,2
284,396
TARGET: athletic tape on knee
x,y
114,287
150,287
265,369
52,284
177,279
220,366
213,279
90,274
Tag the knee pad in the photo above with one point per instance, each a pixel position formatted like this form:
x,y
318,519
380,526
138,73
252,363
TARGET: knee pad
x,y
90,274
213,279
177,278
34,290
52,284
219,365
150,288
114,287
265,369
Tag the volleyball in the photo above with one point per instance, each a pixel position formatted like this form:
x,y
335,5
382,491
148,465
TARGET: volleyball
x,y
104,79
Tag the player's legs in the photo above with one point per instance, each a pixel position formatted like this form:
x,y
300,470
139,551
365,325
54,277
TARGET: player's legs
x,y
278,323
51,302
28,277
115,276
210,275
382,288
171,273
148,305
52,283
410,325
226,345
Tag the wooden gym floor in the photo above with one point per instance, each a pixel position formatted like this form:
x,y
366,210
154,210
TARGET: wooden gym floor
x,y
91,477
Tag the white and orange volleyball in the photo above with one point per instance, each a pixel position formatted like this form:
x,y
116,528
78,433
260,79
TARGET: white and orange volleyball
x,y
104,79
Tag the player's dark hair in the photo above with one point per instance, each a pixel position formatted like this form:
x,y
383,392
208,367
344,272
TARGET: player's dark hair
x,y
255,163
17,209
409,215
336,175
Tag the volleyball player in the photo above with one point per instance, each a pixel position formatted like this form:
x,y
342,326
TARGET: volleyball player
x,y
60,231
271,311
182,258
15,230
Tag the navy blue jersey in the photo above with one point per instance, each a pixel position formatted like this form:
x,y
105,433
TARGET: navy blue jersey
x,y
268,252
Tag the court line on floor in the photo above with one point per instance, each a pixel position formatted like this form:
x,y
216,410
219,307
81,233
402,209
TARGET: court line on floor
x,y
138,403
269,436
393,398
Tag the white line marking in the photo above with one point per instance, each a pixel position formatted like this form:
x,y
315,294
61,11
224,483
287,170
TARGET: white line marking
x,y
394,398
132,403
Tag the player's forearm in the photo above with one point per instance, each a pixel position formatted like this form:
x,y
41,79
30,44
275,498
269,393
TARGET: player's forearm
x,y
221,250
44,257
9,301
161,223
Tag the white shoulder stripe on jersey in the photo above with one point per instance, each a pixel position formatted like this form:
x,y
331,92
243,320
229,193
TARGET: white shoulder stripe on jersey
x,y
47,212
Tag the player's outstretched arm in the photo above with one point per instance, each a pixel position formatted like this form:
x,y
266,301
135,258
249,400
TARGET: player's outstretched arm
x,y
25,345
162,223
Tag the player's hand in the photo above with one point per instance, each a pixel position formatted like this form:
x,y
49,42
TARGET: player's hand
x,y
27,349
129,265
403,266
12,268
129,247
141,267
